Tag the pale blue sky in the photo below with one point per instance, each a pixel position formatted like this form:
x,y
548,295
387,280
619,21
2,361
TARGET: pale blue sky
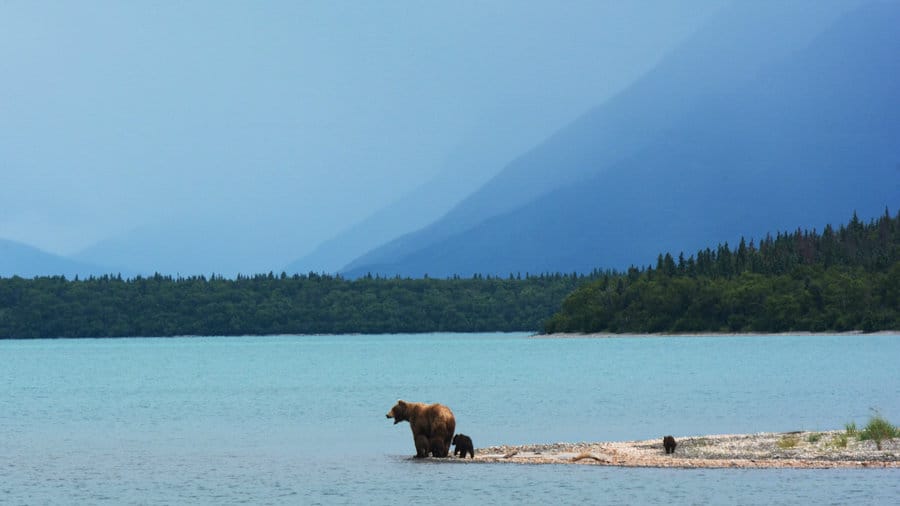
x,y
287,117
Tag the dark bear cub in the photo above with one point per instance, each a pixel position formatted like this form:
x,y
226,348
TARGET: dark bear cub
x,y
670,444
463,445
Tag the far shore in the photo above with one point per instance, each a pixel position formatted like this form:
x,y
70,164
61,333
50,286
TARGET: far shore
x,y
799,450
601,335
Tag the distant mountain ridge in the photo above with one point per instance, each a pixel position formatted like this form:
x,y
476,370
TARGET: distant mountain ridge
x,y
463,172
806,134
623,125
18,259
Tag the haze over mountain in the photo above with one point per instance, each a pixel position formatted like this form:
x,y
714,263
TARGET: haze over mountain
x,y
236,137
467,168
17,259
411,211
774,116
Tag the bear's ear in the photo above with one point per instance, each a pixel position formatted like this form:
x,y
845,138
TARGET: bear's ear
x,y
401,402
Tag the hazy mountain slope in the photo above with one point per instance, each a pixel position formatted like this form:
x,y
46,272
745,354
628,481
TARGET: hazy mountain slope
x,y
464,171
804,143
17,259
225,244
729,50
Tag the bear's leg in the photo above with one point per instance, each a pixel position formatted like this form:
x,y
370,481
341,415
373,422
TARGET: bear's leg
x,y
437,447
447,442
421,446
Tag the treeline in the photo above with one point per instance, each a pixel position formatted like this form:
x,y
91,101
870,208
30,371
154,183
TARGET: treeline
x,y
272,304
836,280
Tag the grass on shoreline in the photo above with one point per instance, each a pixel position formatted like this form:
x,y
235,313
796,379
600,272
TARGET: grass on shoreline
x,y
878,429
788,441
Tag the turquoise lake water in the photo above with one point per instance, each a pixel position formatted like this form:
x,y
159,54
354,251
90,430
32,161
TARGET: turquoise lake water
x,y
301,419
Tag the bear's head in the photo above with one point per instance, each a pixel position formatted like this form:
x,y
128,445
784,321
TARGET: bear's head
x,y
400,412
455,440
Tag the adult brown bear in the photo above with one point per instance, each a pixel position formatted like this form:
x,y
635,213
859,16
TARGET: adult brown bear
x,y
432,426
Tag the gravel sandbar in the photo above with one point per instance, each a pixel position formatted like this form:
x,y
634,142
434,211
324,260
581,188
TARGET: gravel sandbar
x,y
811,450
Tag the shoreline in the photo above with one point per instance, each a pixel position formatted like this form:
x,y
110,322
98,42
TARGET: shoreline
x,y
631,335
765,450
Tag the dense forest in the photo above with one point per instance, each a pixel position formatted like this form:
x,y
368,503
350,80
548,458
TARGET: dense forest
x,y
110,306
836,280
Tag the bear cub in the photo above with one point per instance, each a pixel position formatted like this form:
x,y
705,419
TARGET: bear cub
x,y
669,444
463,445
